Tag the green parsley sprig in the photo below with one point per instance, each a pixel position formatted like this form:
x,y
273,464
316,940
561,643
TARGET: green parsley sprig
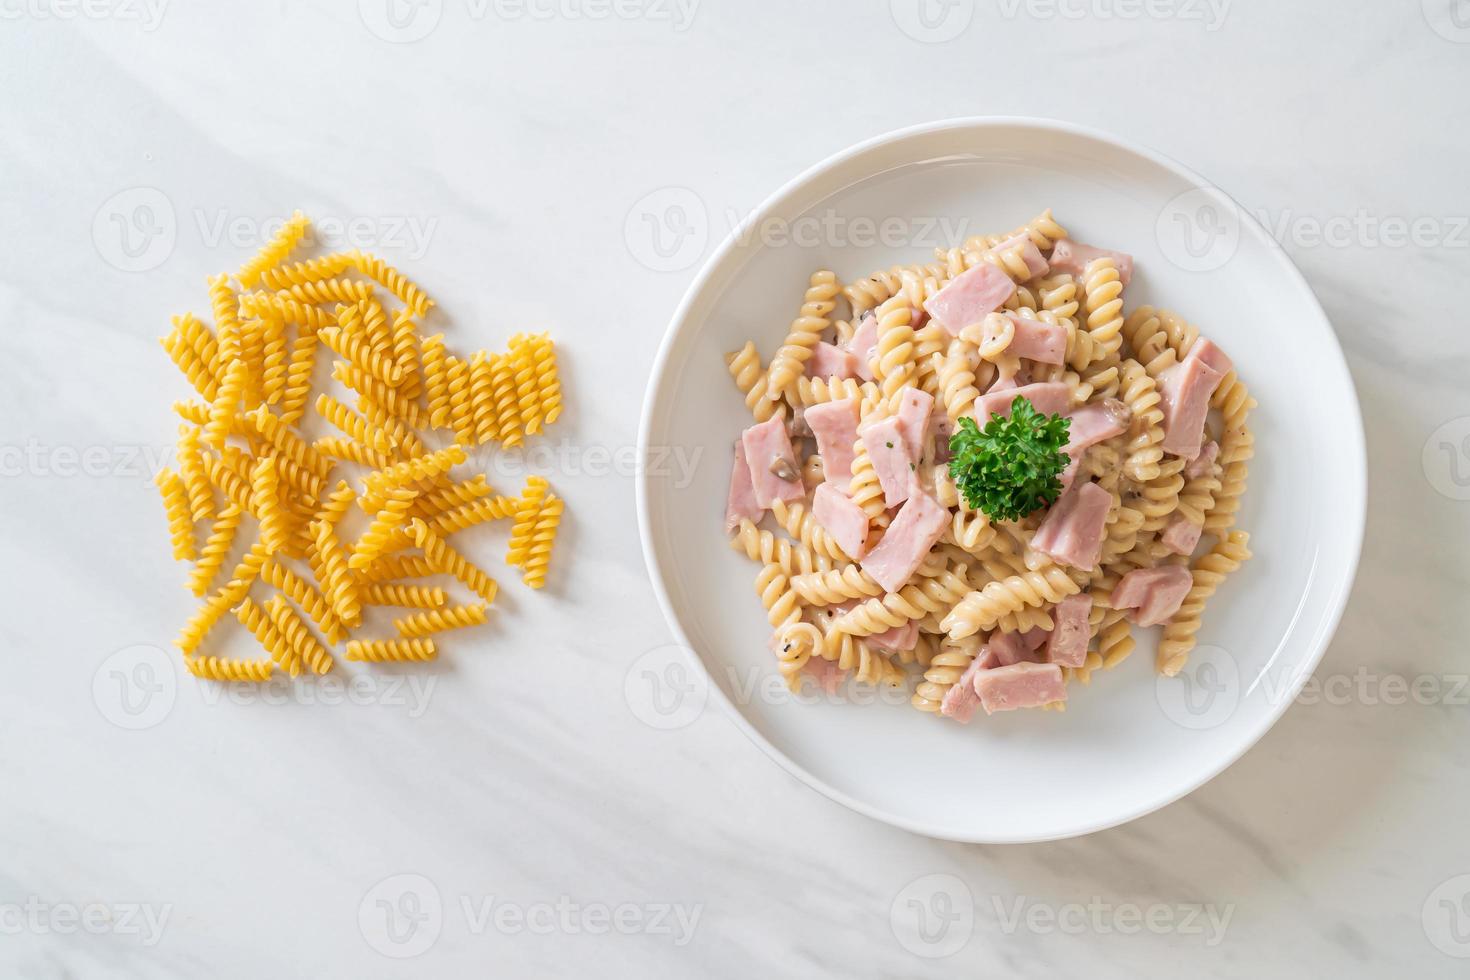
x,y
1013,466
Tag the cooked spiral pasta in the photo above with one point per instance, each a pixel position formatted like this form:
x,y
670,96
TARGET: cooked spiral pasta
x,y
835,586
1102,300
806,330
799,522
980,610
816,391
893,361
864,488
913,601
1208,572
765,547
754,382
783,605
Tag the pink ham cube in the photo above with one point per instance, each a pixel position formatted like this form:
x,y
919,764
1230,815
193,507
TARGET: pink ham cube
x,y
1022,685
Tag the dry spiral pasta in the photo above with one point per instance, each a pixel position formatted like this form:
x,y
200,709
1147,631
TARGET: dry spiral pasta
x,y
438,620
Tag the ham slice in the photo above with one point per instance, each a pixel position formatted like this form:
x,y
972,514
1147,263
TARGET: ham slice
x,y
914,410
1154,592
1036,341
1181,535
826,673
834,426
943,428
768,453
897,638
843,519
969,296
907,541
862,345
741,503
1047,397
1022,685
1036,263
960,701
1204,462
1185,390
1070,256
1066,645
1073,529
1035,638
889,452
831,361
1095,423
1008,648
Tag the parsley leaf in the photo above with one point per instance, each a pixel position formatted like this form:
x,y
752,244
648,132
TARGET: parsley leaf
x,y
1013,466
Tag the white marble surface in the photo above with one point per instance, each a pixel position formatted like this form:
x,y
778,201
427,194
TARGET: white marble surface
x,y
501,158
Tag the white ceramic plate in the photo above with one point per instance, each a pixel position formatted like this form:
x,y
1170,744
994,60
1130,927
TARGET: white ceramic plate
x,y
1129,743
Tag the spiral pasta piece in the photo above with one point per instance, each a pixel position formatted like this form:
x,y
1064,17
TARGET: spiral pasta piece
x,y
225,598
275,251
455,495
872,291
350,451
794,644
381,651
355,349
329,560
374,541
446,559
419,469
296,389
853,654
408,596
944,671
835,586
436,380
216,549
754,383
783,606
1208,572
224,669
1146,426
394,281
1102,300
224,405
525,520
481,395
913,601
979,611
274,367
396,567
312,602
801,339
254,619
397,405
438,620
548,381
543,537
176,507
199,373
265,489
893,361
765,547
799,522
864,488
816,391
957,380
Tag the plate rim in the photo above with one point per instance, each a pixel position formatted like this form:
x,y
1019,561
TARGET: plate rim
x,y
1355,448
